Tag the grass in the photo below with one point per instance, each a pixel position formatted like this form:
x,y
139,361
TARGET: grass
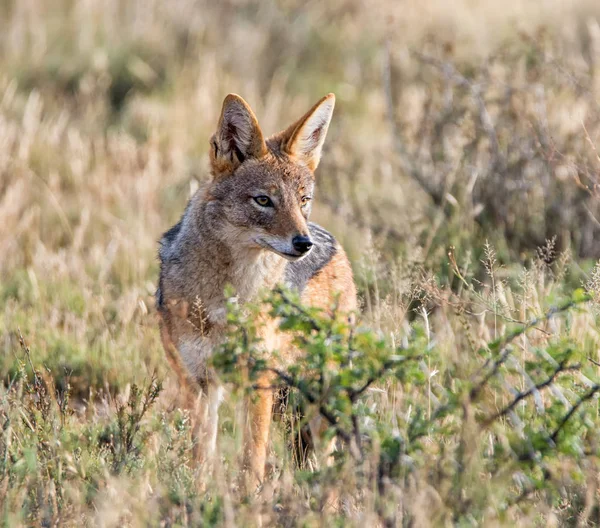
x,y
460,172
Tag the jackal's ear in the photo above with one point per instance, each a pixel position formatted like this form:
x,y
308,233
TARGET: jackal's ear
x,y
304,139
238,136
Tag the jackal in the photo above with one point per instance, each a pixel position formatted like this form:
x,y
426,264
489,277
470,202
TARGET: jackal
x,y
248,228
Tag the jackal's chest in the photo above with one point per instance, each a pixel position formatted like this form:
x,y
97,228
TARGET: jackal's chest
x,y
251,273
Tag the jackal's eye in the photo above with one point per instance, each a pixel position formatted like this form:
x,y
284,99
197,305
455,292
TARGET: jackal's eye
x,y
263,201
305,200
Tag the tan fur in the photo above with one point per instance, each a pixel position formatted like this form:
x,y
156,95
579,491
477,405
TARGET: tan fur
x,y
333,283
225,238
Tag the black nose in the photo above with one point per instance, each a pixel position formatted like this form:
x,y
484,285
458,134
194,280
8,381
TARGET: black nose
x,y
302,243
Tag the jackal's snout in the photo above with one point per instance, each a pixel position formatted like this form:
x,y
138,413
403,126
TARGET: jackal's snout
x,y
302,244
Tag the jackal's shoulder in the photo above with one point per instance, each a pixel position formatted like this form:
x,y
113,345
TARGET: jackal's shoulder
x,y
297,274
169,253
167,242
170,242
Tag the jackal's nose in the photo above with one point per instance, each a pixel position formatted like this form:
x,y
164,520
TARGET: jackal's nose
x,y
302,244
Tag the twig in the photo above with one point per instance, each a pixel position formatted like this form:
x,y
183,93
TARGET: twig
x,y
485,120
299,308
588,396
36,379
353,394
507,339
594,361
562,367
292,382
496,367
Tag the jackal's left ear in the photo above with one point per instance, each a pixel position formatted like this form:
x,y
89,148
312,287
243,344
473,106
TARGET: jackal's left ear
x,y
304,139
238,136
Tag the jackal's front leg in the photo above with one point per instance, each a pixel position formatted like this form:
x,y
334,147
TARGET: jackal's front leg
x,y
259,407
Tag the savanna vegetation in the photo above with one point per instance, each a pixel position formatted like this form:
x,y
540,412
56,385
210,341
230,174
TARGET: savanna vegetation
x,y
461,174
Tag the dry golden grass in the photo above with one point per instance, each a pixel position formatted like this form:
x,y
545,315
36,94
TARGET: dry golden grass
x,y
456,123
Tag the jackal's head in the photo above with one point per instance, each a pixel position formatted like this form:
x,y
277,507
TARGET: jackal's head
x,y
262,189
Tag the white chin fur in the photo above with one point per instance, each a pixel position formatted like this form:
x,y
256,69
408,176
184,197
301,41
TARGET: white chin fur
x,y
284,254
291,258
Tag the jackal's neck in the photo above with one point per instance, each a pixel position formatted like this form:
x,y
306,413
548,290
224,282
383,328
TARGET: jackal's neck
x,y
228,261
253,271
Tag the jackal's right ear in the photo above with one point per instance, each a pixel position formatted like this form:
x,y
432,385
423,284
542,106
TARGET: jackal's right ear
x,y
304,139
238,136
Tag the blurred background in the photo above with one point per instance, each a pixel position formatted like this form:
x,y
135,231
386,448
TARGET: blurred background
x,y
456,123
464,131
